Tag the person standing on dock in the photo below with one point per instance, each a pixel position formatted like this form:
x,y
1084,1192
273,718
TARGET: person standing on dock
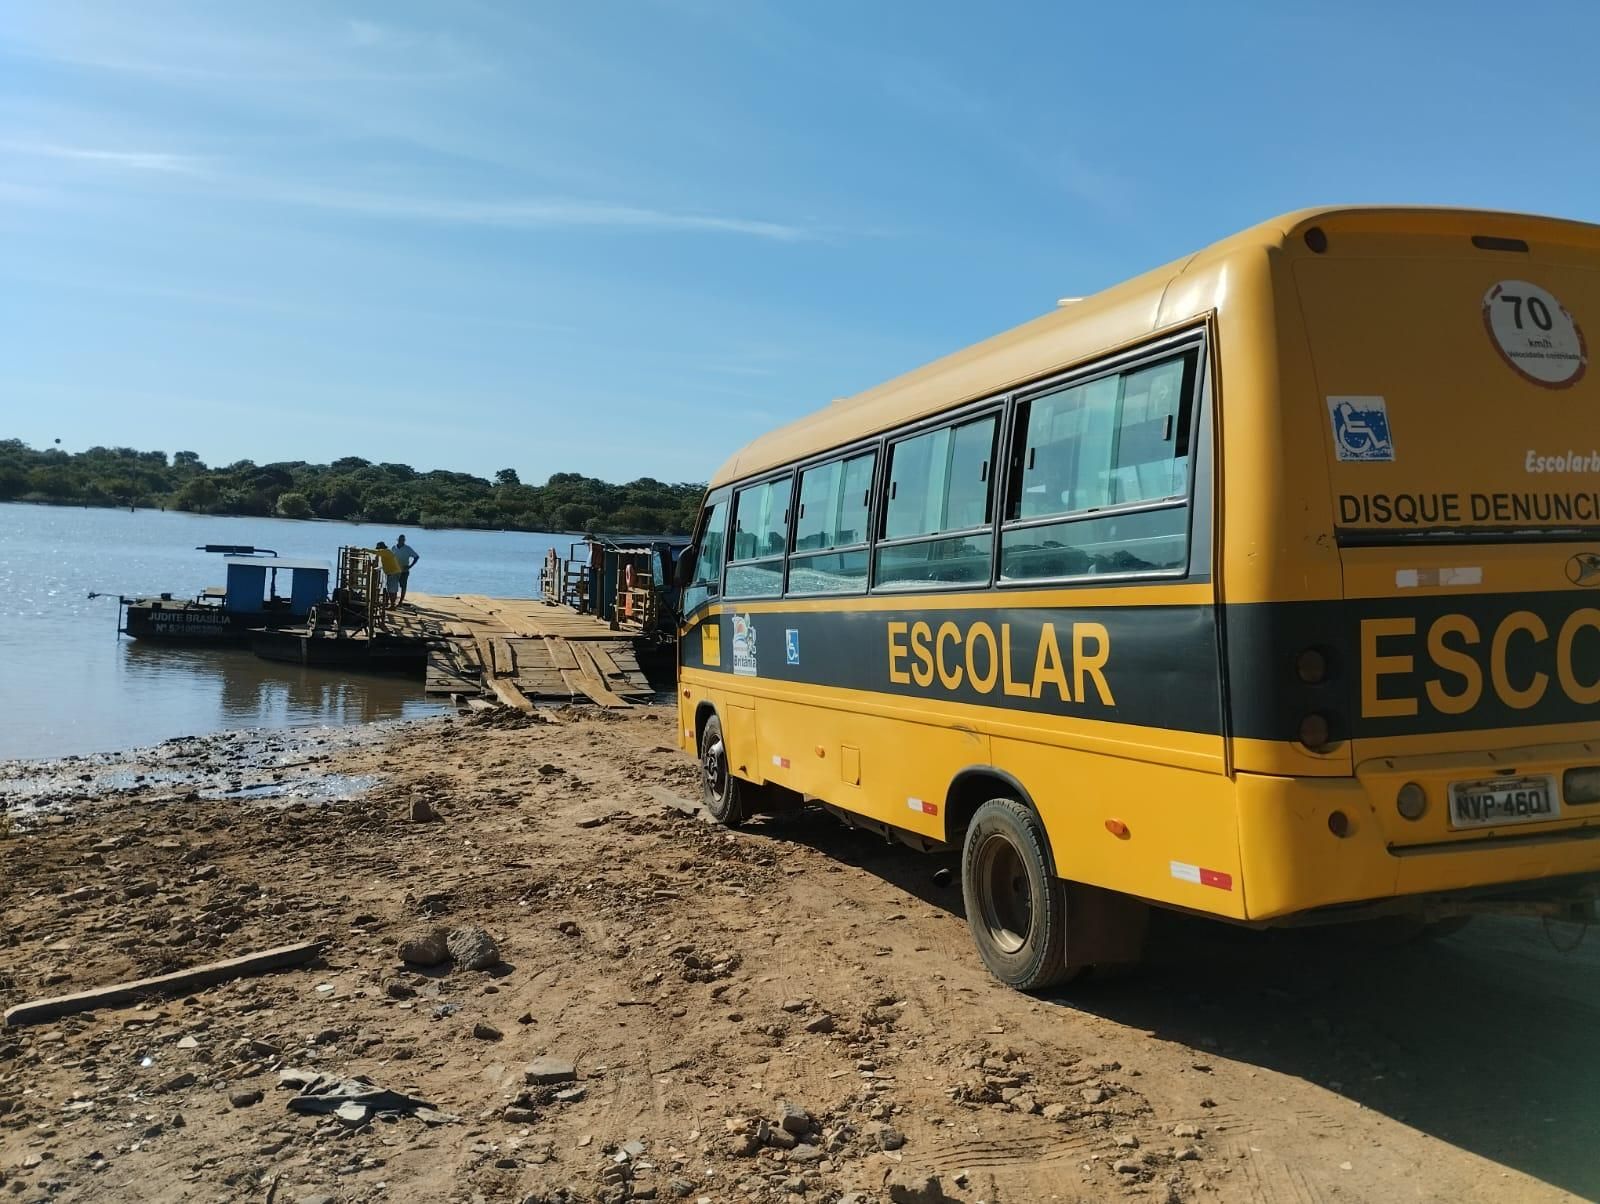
x,y
407,556
390,564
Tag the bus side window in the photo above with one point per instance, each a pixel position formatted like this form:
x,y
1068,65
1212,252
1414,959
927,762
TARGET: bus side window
x,y
760,538
830,529
707,580
936,526
1109,461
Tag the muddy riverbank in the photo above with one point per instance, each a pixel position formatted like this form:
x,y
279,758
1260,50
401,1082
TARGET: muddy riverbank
x,y
788,1013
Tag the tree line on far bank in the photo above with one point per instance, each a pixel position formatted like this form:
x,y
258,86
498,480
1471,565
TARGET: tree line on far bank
x,y
349,488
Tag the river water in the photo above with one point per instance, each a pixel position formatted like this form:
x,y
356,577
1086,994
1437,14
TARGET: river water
x,y
69,684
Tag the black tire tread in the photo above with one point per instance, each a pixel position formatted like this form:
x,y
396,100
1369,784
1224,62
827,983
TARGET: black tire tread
x,y
1048,966
733,809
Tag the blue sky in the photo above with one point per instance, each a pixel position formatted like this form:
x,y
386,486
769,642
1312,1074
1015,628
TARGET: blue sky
x,y
623,238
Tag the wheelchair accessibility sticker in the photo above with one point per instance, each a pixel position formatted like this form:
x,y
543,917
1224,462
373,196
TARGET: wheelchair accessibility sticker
x,y
791,645
1361,428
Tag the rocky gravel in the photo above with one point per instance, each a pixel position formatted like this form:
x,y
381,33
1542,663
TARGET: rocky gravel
x,y
559,989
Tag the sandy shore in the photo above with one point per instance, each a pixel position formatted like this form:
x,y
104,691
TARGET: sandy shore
x,y
788,1013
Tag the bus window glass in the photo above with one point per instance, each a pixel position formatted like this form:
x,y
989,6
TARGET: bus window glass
x,y
760,537
755,579
1119,441
963,559
829,573
819,494
707,579
1139,541
940,481
835,500
1111,442
761,520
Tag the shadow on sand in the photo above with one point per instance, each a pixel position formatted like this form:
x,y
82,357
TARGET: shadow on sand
x,y
1488,1040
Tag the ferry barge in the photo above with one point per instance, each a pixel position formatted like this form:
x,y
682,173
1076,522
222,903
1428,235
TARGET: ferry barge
x,y
249,600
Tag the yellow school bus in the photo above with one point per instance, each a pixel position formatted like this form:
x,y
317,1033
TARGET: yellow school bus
x,y
1264,585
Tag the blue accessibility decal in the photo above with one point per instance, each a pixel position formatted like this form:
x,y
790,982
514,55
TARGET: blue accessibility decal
x,y
791,645
1361,428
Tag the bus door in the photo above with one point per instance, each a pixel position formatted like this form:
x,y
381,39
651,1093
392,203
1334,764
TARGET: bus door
x,y
700,651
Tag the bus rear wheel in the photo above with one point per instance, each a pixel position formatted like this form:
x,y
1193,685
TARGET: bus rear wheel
x,y
720,791
1016,906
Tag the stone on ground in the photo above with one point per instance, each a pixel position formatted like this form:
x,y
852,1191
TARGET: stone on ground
x,y
473,948
545,1071
424,947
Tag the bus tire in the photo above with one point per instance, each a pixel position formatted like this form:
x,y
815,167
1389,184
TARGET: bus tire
x,y
721,792
1016,906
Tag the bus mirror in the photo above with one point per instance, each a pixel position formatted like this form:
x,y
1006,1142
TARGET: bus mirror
x,y
683,570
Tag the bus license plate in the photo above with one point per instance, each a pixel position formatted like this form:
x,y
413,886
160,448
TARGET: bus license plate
x,y
1500,801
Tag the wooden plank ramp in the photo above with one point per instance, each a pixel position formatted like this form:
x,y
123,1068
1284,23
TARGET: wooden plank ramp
x,y
592,681
531,617
521,651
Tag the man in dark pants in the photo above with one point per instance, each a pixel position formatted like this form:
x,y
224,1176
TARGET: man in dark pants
x,y
407,556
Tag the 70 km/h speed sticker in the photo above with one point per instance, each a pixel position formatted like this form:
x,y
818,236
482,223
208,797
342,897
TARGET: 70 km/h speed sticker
x,y
1535,334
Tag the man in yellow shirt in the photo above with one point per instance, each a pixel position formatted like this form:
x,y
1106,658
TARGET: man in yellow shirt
x,y
390,564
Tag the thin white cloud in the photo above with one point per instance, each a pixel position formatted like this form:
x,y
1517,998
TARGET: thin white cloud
x,y
929,89
518,213
238,46
133,160
369,33
372,35
13,193
539,213
741,370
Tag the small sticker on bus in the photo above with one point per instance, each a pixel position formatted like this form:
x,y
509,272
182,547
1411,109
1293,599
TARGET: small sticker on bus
x,y
781,762
744,646
1361,429
1418,578
922,806
1534,334
1200,876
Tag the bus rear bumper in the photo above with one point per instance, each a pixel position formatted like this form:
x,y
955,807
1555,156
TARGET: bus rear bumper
x,y
1297,854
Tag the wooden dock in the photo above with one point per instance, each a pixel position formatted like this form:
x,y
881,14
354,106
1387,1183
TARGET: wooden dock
x,y
521,651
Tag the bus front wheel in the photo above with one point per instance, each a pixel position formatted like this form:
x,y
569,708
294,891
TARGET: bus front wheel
x,y
720,791
1016,906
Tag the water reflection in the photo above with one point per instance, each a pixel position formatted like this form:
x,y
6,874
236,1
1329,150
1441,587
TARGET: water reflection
x,y
250,692
68,684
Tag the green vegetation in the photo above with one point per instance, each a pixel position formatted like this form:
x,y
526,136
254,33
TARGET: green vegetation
x,y
351,488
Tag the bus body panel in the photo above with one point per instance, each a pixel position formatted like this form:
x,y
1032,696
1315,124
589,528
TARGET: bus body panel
x,y
1194,740
1293,863
1178,820
879,699
1176,840
901,768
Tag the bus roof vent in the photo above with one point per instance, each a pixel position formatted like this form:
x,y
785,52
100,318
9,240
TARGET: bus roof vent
x,y
1489,242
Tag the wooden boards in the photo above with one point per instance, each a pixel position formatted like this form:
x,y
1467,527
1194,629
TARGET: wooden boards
x,y
520,651
180,982
530,617
507,692
592,680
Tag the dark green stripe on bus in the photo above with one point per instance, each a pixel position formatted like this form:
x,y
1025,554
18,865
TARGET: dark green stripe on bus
x,y
1400,666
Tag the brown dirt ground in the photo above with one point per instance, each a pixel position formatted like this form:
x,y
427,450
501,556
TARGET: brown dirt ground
x,y
683,969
